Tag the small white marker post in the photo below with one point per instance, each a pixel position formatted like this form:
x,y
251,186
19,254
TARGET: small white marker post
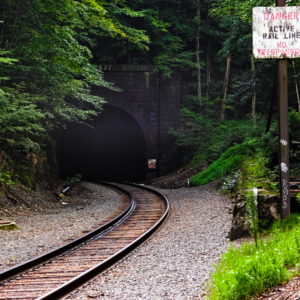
x,y
255,193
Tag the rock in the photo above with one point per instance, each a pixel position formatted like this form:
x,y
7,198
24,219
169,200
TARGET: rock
x,y
239,230
239,227
268,211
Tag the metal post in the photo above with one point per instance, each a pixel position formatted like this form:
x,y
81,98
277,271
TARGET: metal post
x,y
283,133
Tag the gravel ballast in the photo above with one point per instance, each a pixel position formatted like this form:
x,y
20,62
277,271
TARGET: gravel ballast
x,y
173,264
178,260
41,231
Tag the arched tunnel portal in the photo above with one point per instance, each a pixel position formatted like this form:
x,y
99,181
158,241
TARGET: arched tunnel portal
x,y
112,148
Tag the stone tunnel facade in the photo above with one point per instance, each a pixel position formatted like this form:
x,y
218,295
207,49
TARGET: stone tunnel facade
x,y
154,102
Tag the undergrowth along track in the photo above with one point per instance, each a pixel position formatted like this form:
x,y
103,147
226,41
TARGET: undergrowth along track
x,y
57,273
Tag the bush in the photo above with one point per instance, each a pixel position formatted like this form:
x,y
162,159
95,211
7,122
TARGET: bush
x,y
205,139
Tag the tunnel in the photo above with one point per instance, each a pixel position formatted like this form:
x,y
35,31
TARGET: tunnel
x,y
112,147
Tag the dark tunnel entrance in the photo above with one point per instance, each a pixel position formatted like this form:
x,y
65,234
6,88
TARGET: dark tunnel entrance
x,y
114,149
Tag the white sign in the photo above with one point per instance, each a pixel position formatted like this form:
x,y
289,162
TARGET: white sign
x,y
276,32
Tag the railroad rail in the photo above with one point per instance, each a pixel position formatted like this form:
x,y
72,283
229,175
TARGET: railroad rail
x,y
294,185
57,273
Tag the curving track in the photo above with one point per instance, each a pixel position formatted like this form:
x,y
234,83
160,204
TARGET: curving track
x,y
59,272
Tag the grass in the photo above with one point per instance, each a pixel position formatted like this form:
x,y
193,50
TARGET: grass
x,y
229,161
250,269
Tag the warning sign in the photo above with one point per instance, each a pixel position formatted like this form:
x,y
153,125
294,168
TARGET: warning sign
x,y
276,32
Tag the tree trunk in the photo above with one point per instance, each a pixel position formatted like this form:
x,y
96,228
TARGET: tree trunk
x,y
225,87
208,71
253,104
272,104
199,86
296,86
208,63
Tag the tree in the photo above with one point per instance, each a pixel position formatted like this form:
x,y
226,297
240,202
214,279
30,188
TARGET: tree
x,y
198,62
52,43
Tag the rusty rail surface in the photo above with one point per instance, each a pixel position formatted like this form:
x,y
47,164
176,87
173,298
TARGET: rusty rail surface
x,y
57,273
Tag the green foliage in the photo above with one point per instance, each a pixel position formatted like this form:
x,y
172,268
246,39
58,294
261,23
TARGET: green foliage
x,y
284,225
255,173
242,9
294,135
46,69
294,125
205,138
5,178
195,128
249,270
252,214
49,50
20,123
229,183
76,178
170,27
229,161
232,132
170,41
252,178
5,59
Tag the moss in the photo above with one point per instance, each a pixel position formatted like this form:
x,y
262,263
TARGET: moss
x,y
255,173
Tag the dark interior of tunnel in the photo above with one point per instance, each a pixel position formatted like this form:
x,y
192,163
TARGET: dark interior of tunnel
x,y
112,149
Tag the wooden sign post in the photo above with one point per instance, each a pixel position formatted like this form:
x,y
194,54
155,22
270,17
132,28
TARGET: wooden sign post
x,y
276,34
283,134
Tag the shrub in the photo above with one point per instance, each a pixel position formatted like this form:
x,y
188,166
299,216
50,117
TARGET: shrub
x,y
205,138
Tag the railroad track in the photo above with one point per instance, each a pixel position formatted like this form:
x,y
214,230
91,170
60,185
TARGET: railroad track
x,y
294,185
57,273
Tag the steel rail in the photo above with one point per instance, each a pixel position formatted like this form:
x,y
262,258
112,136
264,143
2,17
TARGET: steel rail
x,y
8,273
88,275
77,281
